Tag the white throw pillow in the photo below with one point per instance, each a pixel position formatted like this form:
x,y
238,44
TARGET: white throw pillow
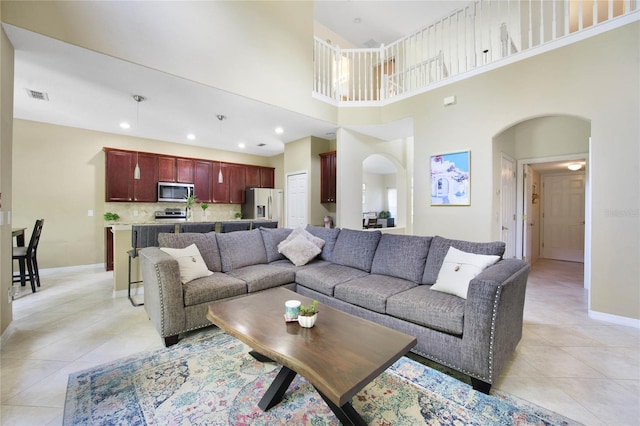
x,y
190,261
306,234
458,269
299,250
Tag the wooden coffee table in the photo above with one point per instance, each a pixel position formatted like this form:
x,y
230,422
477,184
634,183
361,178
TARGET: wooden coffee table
x,y
339,356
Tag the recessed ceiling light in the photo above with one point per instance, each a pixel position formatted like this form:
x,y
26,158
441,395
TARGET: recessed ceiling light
x,y
574,167
241,145
125,125
191,136
279,130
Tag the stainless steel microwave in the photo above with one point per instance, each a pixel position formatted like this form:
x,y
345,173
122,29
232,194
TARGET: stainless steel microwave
x,y
174,192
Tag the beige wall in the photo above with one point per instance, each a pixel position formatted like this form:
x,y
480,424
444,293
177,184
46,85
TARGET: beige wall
x,y
302,156
58,175
6,131
565,82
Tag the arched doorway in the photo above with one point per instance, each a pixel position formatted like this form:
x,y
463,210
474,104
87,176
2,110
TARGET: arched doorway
x,y
379,191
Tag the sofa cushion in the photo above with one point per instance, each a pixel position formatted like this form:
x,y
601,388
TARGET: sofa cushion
x,y
299,250
428,308
241,248
323,278
371,292
440,246
356,248
214,287
401,256
458,269
286,263
271,238
262,277
329,235
190,262
206,243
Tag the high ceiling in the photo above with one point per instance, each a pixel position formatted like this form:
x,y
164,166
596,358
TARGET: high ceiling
x,y
85,88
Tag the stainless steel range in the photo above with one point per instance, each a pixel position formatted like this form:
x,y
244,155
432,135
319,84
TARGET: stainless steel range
x,y
170,213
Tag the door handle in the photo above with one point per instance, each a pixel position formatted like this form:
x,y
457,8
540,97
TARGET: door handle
x,y
504,228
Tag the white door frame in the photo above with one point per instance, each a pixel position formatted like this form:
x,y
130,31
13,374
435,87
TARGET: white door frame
x,y
587,205
508,199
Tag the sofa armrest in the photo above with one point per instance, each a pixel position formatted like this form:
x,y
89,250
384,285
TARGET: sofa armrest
x,y
163,296
493,317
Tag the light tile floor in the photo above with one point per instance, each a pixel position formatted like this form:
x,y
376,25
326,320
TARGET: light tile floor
x,y
585,369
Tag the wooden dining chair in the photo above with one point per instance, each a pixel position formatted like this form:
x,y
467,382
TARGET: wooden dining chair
x,y
27,259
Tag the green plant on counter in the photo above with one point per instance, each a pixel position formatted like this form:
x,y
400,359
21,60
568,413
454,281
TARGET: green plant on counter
x,y
238,215
108,216
191,200
310,310
384,214
204,206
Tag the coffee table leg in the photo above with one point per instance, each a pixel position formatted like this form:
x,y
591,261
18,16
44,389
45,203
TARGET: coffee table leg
x,y
346,414
259,357
276,391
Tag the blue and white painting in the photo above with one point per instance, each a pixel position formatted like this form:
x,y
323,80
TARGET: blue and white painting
x,y
450,184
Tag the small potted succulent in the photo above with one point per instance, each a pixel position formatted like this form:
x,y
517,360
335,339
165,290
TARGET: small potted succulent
x,y
111,217
308,314
238,215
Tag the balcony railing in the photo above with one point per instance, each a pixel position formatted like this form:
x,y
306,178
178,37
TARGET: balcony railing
x,y
483,33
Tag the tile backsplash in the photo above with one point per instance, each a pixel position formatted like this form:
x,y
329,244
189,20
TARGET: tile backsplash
x,y
131,213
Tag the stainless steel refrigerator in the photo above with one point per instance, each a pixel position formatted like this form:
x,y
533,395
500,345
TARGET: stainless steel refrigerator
x,y
264,204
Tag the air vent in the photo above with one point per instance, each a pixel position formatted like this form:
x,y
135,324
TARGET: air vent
x,y
262,144
34,94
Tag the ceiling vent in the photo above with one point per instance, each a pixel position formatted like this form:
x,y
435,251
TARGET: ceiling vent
x,y
371,44
34,94
262,144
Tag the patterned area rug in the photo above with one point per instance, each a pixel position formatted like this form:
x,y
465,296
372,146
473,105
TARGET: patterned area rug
x,y
209,379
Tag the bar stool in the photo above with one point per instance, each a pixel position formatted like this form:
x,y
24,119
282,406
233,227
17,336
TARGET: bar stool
x,y
143,236
26,257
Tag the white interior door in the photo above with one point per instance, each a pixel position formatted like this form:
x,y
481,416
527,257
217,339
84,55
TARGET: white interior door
x,y
296,200
563,217
508,206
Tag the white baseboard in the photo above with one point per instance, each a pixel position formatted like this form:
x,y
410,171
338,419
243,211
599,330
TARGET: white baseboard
x,y
6,334
615,319
72,268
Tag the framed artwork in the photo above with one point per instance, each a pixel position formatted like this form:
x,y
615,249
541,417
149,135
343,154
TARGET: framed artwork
x,y
451,179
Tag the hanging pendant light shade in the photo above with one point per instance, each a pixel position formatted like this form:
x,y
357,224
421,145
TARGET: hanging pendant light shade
x,y
220,177
138,99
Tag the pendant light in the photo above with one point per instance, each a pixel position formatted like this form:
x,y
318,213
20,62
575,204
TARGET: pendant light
x,y
138,99
220,177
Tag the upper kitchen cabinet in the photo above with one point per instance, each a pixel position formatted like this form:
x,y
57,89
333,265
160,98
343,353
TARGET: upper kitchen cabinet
x,y
328,177
220,190
166,169
237,183
203,180
259,177
120,182
184,170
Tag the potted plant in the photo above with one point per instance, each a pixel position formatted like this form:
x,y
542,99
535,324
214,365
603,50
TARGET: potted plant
x,y
238,215
308,314
191,200
110,217
204,207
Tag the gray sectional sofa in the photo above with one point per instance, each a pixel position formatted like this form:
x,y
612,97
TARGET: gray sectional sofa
x,y
385,278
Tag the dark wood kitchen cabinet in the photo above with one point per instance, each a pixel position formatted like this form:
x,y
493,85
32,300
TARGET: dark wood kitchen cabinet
x,y
237,183
259,177
184,170
120,182
166,169
203,181
220,190
328,177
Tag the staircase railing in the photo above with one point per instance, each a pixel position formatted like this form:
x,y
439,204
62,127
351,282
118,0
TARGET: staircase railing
x,y
479,34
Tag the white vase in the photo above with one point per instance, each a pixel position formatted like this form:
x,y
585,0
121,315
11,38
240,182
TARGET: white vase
x,y
307,322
